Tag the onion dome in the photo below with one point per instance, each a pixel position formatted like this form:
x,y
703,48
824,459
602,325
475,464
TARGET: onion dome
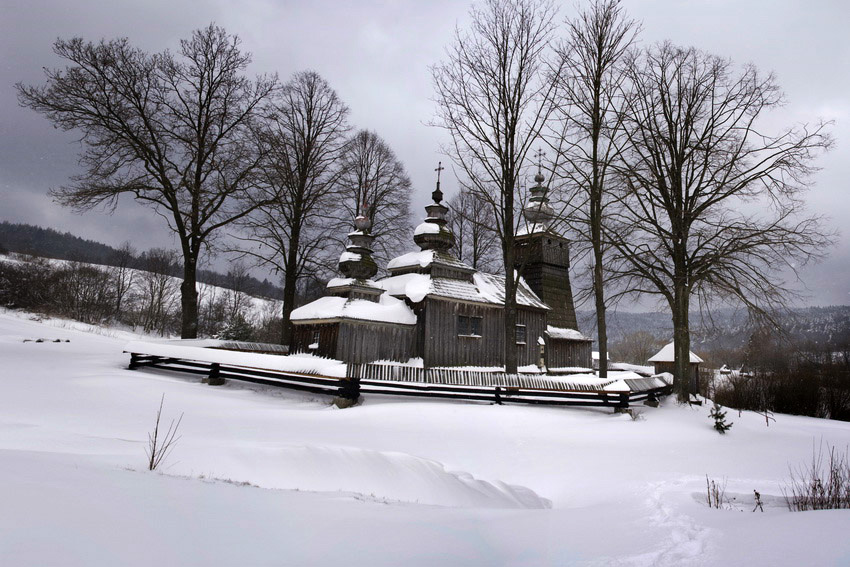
x,y
433,233
538,211
356,262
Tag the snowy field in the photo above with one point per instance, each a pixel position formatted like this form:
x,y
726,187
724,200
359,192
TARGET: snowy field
x,y
272,477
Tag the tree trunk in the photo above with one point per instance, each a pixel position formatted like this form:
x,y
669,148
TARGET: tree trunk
x,y
601,327
510,308
189,298
289,283
682,342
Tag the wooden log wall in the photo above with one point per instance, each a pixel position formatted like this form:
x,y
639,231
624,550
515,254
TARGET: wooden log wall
x,y
443,347
304,335
366,342
564,353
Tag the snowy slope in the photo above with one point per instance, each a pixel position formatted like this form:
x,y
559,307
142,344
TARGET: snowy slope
x,y
271,477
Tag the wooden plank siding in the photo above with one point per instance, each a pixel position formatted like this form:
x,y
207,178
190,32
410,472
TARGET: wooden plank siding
x,y
564,353
535,326
442,346
366,342
356,341
304,335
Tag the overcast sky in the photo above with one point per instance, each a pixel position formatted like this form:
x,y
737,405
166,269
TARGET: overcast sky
x,y
377,56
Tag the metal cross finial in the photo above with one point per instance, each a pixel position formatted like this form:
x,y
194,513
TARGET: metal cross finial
x,y
437,195
439,169
539,155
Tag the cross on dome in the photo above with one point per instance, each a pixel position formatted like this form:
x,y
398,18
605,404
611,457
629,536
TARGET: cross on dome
x,y
437,195
539,155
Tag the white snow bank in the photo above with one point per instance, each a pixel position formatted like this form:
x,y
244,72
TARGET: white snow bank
x,y
623,492
299,363
383,474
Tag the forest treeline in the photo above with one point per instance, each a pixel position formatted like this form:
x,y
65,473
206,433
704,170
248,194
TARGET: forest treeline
x,y
49,243
144,296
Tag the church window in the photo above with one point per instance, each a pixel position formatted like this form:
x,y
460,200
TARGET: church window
x,y
521,334
468,326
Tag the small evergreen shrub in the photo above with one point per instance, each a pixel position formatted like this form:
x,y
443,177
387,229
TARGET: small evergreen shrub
x,y
719,417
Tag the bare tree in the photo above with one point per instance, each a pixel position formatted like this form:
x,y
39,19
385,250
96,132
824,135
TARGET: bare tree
x,y
472,222
493,98
175,132
304,139
636,347
123,274
375,183
237,300
714,206
157,289
83,291
587,133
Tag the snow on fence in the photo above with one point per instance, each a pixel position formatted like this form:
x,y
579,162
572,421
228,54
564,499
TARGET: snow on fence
x,y
400,380
448,376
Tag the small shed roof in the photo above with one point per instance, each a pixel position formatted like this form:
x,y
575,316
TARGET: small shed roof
x,y
561,333
667,354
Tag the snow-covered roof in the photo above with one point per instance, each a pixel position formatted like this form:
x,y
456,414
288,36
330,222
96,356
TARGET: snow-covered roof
x,y
425,258
387,310
485,288
494,287
667,354
561,333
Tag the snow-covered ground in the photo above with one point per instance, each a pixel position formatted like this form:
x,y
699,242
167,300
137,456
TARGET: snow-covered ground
x,y
272,477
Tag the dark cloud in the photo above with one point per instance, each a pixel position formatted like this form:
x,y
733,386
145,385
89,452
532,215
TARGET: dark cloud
x,y
377,55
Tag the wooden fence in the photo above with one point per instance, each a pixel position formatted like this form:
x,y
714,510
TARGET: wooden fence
x,y
490,387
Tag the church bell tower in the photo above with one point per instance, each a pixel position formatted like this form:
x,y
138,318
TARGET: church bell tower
x,y
543,257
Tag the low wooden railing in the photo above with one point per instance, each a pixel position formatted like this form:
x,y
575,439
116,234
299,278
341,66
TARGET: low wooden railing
x,y
490,387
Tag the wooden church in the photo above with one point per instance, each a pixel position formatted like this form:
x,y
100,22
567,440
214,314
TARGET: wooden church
x,y
434,307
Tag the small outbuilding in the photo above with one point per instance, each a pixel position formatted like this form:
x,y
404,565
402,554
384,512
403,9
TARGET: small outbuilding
x,y
664,362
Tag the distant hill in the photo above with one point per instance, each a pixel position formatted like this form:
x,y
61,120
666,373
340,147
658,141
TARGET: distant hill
x,y
728,328
49,243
